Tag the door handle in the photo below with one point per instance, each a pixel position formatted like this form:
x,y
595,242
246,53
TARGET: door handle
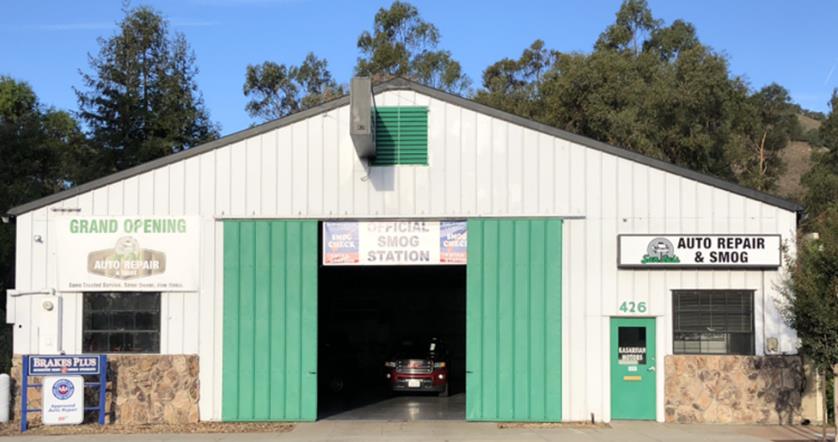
x,y
652,369
312,372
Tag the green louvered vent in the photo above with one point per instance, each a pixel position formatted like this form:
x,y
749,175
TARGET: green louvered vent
x,y
401,135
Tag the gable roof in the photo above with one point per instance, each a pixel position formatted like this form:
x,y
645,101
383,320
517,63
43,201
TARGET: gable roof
x,y
404,84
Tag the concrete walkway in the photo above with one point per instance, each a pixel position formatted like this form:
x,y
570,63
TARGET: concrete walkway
x,y
339,430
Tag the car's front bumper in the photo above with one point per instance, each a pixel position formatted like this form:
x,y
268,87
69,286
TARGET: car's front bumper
x,y
426,385
428,382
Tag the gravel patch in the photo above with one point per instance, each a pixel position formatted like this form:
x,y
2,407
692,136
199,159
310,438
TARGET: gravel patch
x,y
548,425
201,427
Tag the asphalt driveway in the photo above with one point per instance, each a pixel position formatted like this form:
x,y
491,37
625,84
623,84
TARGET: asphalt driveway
x,y
446,430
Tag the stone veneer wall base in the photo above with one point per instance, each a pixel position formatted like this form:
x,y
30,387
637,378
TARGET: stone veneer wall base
x,y
733,389
149,389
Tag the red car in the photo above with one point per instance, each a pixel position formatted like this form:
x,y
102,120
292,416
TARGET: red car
x,y
418,366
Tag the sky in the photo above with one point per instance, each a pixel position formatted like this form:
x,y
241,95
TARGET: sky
x,y
46,42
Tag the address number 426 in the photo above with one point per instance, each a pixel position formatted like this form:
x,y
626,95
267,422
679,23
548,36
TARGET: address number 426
x,y
633,307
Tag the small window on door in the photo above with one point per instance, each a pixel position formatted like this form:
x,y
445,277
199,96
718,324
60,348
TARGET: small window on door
x,y
121,322
713,322
631,349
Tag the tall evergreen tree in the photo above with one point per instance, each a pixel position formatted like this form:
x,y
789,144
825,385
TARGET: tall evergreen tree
x,y
140,101
41,152
403,44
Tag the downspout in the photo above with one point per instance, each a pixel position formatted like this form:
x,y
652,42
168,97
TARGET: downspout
x,y
764,316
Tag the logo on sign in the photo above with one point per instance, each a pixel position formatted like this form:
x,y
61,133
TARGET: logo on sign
x,y
62,389
126,260
660,250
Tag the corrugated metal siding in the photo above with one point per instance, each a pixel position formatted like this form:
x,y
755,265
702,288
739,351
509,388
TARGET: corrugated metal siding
x,y
477,166
270,320
514,320
401,135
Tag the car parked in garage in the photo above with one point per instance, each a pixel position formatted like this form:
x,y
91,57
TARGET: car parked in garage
x,y
419,365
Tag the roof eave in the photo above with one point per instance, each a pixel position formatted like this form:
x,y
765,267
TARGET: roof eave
x,y
404,84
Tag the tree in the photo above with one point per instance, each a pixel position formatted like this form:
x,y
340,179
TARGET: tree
x,y
651,88
821,181
812,294
402,44
811,288
516,85
634,24
141,100
276,90
41,149
770,121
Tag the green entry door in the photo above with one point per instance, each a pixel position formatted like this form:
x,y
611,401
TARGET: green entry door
x,y
633,376
270,321
514,320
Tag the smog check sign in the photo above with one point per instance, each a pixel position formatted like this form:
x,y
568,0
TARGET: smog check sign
x,y
699,251
395,243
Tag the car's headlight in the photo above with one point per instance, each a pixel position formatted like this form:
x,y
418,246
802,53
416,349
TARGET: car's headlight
x,y
390,364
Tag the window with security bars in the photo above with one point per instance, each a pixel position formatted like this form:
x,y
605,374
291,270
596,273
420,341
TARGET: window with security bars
x,y
121,322
713,322
401,135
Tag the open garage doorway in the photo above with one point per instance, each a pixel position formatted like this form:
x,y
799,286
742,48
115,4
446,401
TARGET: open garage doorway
x,y
387,334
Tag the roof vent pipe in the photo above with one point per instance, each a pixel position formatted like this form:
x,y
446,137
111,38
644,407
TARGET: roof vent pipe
x,y
361,123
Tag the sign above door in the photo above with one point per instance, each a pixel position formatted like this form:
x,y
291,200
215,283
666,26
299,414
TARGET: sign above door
x,y
699,251
394,243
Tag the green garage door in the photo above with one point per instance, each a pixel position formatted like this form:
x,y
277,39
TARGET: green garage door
x,y
270,321
514,320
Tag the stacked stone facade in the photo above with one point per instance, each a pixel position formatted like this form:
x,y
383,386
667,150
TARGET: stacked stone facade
x,y
733,389
142,389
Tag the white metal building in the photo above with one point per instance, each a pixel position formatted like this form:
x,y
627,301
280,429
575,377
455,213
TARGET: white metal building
x,y
481,164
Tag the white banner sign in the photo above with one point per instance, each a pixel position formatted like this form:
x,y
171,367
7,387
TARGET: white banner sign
x,y
394,243
63,400
699,251
128,254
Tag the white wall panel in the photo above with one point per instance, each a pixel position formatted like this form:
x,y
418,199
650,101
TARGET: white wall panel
x,y
177,188
478,166
130,196
21,333
250,154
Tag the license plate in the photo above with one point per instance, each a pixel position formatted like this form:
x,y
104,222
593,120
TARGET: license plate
x,y
414,383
